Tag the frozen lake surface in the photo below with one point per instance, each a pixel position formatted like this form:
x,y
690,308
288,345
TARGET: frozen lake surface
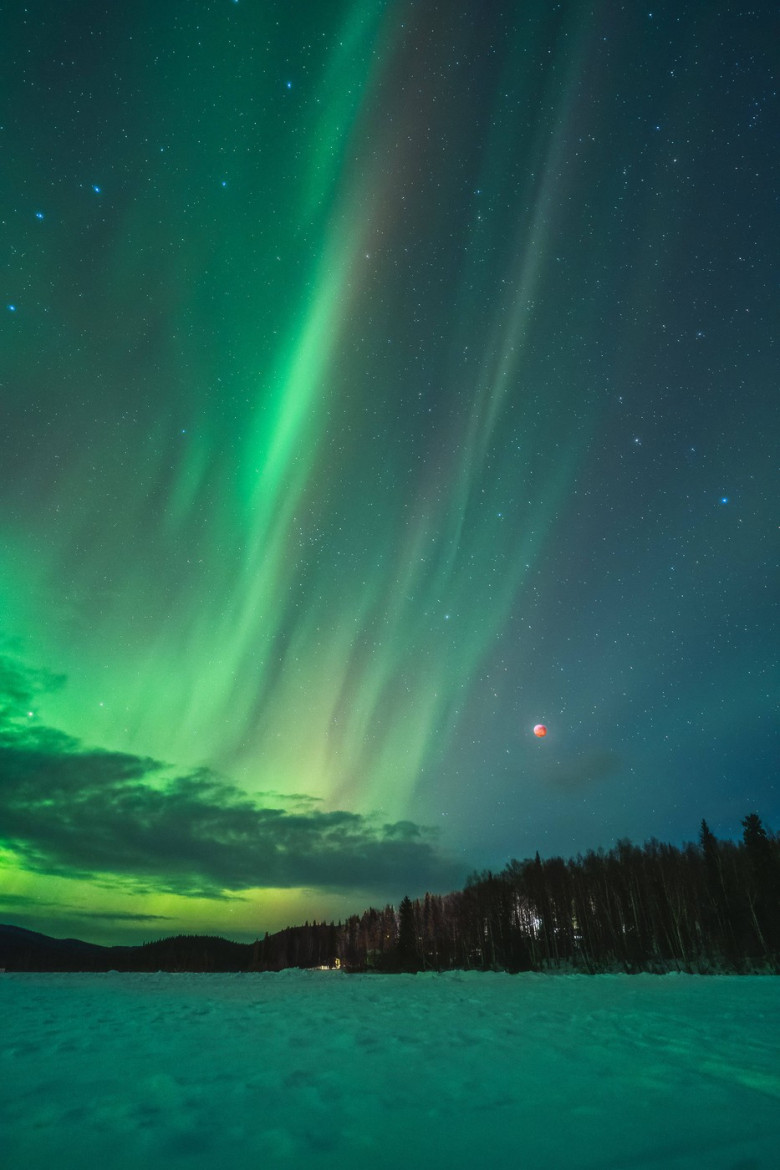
x,y
323,1069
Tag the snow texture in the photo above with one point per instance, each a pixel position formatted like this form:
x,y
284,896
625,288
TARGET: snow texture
x,y
456,1070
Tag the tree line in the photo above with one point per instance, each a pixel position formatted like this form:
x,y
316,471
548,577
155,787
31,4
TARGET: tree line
x,y
706,907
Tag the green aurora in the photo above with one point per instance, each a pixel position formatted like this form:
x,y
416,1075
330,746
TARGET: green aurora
x,y
379,379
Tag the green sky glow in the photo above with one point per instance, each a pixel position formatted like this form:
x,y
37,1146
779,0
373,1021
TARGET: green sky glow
x,y
370,383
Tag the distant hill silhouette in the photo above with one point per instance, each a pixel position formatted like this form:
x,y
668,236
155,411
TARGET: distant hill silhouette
x,y
26,950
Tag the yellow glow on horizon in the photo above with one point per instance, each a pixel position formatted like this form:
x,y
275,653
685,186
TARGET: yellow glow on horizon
x,y
110,911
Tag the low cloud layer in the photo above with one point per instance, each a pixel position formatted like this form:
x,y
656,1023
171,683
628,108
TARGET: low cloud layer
x,y
68,809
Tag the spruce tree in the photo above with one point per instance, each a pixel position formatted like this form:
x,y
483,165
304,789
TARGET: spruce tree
x,y
406,951
763,883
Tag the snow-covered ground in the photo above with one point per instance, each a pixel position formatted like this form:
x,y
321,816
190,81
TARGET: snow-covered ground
x,y
334,1071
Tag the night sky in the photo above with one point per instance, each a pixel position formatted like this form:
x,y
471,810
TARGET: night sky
x,y
379,379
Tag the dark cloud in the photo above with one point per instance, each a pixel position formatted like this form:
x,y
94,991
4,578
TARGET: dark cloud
x,y
403,831
585,770
13,900
122,916
67,809
19,686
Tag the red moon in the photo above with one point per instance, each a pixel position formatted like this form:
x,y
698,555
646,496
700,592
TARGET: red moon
x,y
540,730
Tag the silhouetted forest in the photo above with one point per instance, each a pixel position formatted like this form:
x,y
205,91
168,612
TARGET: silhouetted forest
x,y
713,906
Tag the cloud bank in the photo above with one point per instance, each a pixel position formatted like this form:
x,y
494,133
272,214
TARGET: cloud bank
x,y
68,809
